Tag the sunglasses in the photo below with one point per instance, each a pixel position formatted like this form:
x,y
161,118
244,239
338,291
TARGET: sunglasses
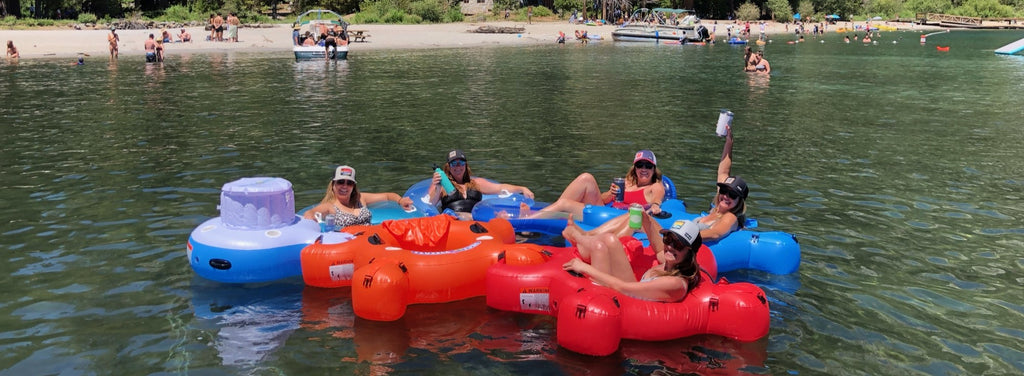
x,y
344,182
672,241
728,192
457,163
644,165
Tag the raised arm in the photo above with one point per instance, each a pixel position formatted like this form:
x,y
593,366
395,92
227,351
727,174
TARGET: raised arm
x,y
725,165
434,193
653,230
656,196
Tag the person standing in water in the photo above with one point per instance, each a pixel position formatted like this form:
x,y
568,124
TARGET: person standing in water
x,y
113,39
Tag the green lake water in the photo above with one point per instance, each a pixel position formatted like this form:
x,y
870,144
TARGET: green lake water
x,y
897,167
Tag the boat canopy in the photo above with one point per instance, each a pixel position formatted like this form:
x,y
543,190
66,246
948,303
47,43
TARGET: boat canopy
x,y
316,15
672,10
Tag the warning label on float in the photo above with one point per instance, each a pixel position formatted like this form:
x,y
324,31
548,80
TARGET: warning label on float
x,y
534,299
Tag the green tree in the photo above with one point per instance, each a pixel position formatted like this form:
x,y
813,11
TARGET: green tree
x,y
844,8
780,10
806,9
984,8
928,6
563,5
10,8
748,12
885,7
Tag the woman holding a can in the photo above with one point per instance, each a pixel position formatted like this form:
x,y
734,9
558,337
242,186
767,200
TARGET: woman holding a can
x,y
640,186
603,258
728,210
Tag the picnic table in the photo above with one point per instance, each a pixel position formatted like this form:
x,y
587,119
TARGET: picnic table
x,y
357,35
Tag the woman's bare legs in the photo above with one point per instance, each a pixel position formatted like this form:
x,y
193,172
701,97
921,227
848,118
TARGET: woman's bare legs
x,y
618,226
581,192
605,253
583,189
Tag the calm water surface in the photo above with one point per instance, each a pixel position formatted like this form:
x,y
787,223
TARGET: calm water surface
x,y
897,167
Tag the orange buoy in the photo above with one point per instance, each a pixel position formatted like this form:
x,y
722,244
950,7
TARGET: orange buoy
x,y
942,49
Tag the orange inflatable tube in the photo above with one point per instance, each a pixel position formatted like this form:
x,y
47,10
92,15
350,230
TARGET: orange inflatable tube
x,y
330,265
401,262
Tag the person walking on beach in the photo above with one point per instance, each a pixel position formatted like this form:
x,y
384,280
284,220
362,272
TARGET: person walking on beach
x,y
12,52
233,23
112,40
529,15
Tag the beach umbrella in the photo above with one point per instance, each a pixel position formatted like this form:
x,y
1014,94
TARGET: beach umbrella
x,y
833,16
796,16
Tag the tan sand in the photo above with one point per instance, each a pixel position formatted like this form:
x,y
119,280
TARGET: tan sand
x,y
68,43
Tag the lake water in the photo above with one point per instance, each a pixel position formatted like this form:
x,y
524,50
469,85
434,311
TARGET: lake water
x,y
897,167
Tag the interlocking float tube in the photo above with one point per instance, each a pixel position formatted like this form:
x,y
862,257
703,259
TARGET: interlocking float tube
x,y
258,236
421,200
592,319
421,260
775,252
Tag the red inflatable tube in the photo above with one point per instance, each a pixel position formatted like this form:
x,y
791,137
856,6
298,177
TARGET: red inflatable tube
x,y
593,319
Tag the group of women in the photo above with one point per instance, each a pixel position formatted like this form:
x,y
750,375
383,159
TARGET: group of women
x,y
602,255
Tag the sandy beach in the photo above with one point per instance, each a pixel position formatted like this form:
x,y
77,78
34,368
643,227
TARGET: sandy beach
x,y
66,43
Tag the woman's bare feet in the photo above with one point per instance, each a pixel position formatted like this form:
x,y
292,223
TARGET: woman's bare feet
x,y
524,210
572,231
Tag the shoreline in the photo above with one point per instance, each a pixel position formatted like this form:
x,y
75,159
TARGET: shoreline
x,y
49,43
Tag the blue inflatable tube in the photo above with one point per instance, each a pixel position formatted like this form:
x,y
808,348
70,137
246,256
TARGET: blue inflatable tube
x,y
383,211
492,203
224,254
771,251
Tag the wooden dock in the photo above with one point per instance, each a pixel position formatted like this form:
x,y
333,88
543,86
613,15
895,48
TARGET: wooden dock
x,y
954,21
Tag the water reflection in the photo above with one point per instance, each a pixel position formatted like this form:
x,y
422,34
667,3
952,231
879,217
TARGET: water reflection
x,y
758,83
248,324
320,80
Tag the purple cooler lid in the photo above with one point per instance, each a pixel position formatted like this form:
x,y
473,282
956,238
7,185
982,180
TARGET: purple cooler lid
x,y
258,203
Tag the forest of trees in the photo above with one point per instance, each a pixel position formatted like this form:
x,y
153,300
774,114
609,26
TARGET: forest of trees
x,y
779,10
